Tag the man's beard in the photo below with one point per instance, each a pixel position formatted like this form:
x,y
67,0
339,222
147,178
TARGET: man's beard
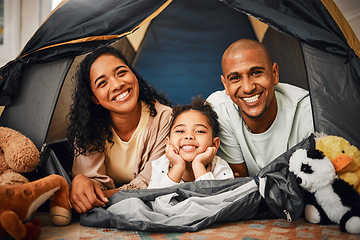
x,y
258,116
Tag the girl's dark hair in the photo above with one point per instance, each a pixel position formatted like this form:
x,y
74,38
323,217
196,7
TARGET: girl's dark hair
x,y
89,124
203,107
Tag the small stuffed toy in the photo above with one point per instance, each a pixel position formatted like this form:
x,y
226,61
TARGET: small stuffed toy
x,y
19,198
18,155
344,156
19,202
328,199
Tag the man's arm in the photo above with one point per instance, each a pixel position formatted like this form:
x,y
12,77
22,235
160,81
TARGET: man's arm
x,y
239,170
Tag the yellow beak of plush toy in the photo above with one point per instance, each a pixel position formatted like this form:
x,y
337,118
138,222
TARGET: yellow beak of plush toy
x,y
342,163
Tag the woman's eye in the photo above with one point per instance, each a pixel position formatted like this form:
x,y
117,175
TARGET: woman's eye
x,y
101,83
120,73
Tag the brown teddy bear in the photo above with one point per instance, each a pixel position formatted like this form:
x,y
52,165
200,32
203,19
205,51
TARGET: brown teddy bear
x,y
21,198
18,155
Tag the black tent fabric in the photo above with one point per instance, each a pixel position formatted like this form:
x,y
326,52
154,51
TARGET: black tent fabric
x,y
308,21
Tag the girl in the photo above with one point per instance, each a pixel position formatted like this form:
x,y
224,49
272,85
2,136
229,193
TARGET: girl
x,y
190,148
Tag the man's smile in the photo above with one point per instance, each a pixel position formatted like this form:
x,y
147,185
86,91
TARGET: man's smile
x,y
252,99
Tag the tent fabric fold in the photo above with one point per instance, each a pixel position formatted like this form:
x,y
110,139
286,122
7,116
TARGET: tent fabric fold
x,y
308,21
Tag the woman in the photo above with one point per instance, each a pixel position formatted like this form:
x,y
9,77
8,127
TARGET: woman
x,y
117,125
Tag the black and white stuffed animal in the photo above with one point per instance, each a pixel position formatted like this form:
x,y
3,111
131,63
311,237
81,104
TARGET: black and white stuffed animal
x,y
328,199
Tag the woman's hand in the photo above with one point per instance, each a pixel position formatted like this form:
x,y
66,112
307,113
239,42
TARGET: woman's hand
x,y
86,194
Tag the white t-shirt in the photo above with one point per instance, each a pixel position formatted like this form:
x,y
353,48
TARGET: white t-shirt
x,y
218,169
293,123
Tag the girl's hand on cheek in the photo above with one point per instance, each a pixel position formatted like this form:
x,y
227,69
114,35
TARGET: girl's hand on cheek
x,y
173,155
177,163
201,160
206,157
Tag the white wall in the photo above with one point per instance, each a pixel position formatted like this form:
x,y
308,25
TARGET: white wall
x,y
351,11
27,15
23,20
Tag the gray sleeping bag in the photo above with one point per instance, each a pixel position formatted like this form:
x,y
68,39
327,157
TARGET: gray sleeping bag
x,y
192,206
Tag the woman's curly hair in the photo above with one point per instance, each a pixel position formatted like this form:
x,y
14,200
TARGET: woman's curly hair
x,y
89,124
204,108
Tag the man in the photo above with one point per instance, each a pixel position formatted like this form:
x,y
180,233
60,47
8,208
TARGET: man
x,y
260,118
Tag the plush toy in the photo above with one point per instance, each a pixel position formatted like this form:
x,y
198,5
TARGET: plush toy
x,y
18,155
18,197
328,199
344,156
19,202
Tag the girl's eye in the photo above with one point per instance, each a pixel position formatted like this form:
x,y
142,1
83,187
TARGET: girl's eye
x,y
179,131
200,131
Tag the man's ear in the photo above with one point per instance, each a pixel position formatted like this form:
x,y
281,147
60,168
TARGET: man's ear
x,y
216,143
275,72
95,100
223,80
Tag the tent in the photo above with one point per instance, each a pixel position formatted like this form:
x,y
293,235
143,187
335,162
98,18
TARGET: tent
x,y
179,52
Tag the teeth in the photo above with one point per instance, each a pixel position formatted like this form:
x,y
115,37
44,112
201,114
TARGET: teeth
x,y
188,147
117,98
252,99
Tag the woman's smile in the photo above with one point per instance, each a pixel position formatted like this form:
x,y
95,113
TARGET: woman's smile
x,y
121,97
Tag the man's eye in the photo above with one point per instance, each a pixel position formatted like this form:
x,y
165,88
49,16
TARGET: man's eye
x,y
257,73
234,79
